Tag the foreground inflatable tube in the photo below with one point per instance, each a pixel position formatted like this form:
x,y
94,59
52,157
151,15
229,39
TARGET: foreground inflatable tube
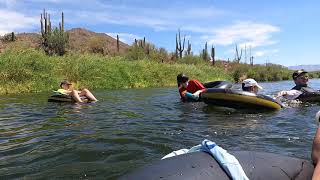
x,y
64,98
201,166
239,99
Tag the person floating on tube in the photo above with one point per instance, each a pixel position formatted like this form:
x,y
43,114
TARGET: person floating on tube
x,y
250,85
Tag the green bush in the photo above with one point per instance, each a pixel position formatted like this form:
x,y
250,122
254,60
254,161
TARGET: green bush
x,y
26,71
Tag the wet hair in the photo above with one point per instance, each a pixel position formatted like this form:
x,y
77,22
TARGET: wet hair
x,y
182,78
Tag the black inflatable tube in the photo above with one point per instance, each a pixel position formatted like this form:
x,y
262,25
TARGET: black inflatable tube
x,y
202,166
218,84
65,98
310,97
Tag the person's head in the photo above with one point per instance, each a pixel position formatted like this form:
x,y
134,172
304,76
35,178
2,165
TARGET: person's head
x,y
250,85
300,77
65,84
182,80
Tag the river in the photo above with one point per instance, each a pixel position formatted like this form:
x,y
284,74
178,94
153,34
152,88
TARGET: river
x,y
130,128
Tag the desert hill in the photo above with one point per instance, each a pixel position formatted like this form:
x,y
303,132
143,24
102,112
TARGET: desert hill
x,y
80,40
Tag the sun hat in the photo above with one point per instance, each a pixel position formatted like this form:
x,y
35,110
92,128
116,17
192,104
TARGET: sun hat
x,y
65,82
250,83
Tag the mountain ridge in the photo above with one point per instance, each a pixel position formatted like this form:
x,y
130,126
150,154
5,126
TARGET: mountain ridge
x,y
309,67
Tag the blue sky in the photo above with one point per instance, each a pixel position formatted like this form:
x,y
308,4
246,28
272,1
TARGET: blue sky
x,y
284,32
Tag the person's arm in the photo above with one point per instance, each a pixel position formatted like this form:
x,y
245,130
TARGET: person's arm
x,y
188,95
315,154
291,95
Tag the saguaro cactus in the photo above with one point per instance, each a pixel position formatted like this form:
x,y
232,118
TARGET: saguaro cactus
x,y
136,42
189,49
12,37
118,44
179,45
53,41
237,56
213,55
205,55
251,60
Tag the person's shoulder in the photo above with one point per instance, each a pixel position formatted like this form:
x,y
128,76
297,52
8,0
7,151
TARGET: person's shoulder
x,y
296,88
194,81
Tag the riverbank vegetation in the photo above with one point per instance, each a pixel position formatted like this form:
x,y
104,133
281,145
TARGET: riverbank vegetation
x,y
33,63
33,71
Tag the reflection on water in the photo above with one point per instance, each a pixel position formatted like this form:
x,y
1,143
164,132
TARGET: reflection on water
x,y
130,128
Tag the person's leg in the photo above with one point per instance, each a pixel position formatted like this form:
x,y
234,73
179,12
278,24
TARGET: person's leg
x,y
88,94
315,154
316,172
76,96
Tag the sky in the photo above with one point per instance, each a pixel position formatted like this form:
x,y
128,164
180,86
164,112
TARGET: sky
x,y
285,32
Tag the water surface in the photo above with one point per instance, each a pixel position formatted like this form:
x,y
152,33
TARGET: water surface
x,y
130,128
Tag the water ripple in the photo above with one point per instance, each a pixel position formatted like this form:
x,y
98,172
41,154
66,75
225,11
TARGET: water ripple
x,y
130,128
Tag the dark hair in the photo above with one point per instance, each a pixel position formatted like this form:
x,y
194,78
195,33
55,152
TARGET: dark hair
x,y
246,88
182,78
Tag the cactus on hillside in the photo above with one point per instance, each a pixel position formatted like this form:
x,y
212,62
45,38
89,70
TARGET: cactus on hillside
x,y
13,38
179,45
205,55
237,56
213,55
189,49
251,60
10,37
53,41
143,45
118,43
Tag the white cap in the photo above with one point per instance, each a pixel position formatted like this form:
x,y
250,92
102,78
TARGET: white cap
x,y
250,83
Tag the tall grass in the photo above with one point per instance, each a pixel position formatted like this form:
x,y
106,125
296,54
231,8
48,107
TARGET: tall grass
x,y
26,71
33,71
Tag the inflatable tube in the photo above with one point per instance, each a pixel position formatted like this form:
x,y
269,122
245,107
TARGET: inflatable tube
x,y
218,84
64,98
239,99
310,97
213,84
200,165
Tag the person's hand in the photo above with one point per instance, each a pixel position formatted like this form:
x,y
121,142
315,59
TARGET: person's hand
x,y
282,93
196,95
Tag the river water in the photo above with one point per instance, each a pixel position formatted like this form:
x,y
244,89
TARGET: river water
x,y
130,128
